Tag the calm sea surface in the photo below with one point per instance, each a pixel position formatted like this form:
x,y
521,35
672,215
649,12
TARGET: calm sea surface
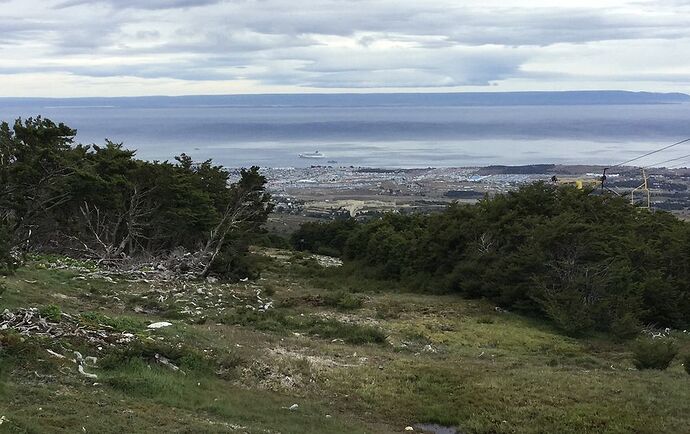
x,y
418,136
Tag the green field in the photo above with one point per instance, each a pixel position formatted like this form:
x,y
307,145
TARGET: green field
x,y
353,359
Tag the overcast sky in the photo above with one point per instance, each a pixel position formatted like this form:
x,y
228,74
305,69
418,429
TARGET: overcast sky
x,y
175,47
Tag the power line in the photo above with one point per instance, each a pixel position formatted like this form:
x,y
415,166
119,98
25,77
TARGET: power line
x,y
651,153
678,165
666,161
656,151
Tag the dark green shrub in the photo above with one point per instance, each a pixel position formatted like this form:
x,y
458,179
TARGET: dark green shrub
x,y
390,310
51,312
55,187
656,353
323,238
269,289
686,363
234,262
7,262
10,340
343,300
625,327
588,262
17,350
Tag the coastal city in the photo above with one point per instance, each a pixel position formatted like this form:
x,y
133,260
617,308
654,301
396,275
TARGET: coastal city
x,y
326,192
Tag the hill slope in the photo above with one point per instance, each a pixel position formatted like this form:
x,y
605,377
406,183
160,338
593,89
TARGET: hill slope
x,y
351,361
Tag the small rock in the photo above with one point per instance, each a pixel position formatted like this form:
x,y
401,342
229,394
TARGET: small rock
x,y
294,407
210,279
159,325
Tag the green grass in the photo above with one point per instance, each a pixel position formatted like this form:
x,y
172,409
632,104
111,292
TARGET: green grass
x,y
373,364
326,328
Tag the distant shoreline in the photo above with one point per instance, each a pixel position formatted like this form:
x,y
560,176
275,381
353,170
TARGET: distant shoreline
x,y
445,99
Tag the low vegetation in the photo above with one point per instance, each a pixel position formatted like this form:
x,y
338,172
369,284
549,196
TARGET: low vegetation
x,y
236,359
588,262
657,353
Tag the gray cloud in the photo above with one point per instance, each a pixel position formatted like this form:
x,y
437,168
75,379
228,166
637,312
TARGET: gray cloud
x,y
343,43
136,4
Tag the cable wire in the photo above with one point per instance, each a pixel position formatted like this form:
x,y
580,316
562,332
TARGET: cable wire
x,y
651,153
666,161
682,164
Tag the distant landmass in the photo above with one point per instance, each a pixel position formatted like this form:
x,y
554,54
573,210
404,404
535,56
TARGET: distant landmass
x,y
369,100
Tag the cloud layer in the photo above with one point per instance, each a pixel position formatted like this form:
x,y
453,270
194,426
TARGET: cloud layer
x,y
120,47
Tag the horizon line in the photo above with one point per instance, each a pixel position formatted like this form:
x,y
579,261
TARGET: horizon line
x,y
353,93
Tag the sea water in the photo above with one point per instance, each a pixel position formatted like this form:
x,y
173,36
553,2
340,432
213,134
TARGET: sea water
x,y
412,135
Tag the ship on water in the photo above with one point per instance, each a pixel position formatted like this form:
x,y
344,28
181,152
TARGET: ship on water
x,y
312,155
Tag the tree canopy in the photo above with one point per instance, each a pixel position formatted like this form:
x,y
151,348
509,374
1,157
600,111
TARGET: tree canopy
x,y
103,202
586,261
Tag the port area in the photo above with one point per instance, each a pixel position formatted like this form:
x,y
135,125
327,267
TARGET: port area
x,y
328,192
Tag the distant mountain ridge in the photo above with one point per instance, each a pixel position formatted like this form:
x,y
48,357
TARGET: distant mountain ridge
x,y
366,100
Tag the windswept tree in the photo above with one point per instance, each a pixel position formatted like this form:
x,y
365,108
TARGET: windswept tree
x,y
35,169
103,203
246,208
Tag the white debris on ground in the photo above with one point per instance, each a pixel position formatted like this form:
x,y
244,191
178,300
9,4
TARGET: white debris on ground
x,y
166,362
81,362
178,265
198,299
159,325
318,362
327,261
154,287
29,322
286,257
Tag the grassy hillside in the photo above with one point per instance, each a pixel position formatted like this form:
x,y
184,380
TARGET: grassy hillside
x,y
352,360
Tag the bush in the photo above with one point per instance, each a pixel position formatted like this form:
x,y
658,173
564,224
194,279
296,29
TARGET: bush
x,y
7,262
10,340
655,353
686,363
16,349
343,300
51,312
323,238
625,327
587,262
